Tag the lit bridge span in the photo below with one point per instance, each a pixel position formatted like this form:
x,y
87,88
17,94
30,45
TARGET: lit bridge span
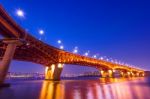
x,y
18,44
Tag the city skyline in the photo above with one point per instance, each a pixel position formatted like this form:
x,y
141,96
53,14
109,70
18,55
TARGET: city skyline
x,y
112,33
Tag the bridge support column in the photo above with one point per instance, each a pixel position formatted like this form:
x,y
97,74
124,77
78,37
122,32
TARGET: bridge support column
x,y
9,53
111,73
141,74
103,73
132,74
137,74
127,74
107,73
122,74
53,72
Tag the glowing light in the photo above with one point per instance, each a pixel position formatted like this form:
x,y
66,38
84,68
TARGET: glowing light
x,y
137,74
116,62
75,51
94,56
53,67
59,41
41,32
114,70
46,69
102,71
143,74
86,54
107,59
110,71
61,47
28,44
101,58
20,13
128,73
60,65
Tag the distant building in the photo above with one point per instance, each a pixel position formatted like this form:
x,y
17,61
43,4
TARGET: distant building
x,y
19,75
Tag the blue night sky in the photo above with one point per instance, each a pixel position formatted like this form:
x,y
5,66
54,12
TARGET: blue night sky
x,y
118,29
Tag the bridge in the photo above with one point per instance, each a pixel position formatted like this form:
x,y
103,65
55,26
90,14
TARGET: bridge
x,y
19,45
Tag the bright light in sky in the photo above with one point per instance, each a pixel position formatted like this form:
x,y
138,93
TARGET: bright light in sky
x,y
41,32
20,13
86,54
94,56
101,58
75,51
59,41
61,47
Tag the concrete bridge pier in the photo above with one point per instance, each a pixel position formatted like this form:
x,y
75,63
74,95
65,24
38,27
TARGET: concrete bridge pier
x,y
124,74
53,72
132,74
128,74
141,74
135,74
8,55
107,73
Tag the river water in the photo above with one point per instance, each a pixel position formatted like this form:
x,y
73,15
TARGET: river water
x,y
113,88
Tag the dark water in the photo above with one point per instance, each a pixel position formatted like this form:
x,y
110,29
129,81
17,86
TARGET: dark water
x,y
131,88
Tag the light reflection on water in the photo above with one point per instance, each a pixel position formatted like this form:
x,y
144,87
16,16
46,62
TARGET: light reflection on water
x,y
79,89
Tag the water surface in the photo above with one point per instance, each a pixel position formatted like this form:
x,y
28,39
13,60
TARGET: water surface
x,y
131,88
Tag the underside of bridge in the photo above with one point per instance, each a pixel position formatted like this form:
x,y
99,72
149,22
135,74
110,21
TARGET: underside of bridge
x,y
18,44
